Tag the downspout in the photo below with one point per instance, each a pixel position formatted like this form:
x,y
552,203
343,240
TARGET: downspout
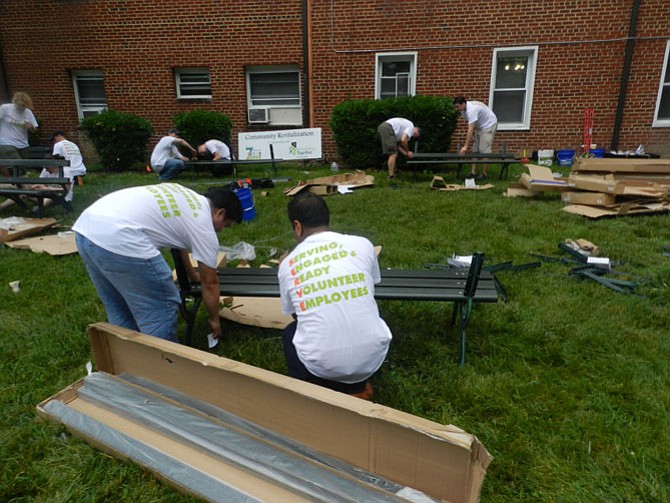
x,y
4,85
308,112
625,74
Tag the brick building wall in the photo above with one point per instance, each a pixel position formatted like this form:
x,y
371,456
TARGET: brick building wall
x,y
137,45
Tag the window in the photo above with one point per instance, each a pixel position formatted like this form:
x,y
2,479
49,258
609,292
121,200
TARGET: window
x,y
395,75
193,83
89,92
273,95
512,82
662,116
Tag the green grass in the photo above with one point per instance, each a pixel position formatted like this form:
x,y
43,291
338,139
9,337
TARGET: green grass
x,y
567,384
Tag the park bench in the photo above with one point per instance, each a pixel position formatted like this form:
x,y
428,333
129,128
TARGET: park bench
x,y
19,183
449,159
462,286
229,166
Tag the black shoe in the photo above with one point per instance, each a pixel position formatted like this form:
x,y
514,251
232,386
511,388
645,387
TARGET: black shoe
x,y
481,177
471,175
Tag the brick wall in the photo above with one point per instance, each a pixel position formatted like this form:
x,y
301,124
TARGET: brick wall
x,y
137,45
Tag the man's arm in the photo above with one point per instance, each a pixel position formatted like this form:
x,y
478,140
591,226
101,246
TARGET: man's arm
x,y
209,283
184,143
403,146
468,138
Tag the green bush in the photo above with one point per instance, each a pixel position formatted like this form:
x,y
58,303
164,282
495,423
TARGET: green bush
x,y
354,124
198,126
119,138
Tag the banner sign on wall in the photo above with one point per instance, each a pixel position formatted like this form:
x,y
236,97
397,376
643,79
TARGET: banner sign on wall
x,y
287,144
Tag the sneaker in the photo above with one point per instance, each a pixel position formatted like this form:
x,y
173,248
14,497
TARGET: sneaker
x,y
390,177
471,175
483,176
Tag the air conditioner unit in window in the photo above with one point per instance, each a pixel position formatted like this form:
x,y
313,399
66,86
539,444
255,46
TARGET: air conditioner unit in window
x,y
259,115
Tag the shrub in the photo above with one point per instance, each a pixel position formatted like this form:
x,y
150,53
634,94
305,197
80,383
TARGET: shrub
x,y
119,138
198,126
354,124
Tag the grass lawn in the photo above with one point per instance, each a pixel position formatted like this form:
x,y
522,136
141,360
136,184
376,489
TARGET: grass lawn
x,y
567,383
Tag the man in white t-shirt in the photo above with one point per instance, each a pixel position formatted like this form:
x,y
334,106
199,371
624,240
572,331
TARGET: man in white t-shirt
x,y
66,149
327,283
166,159
119,238
395,135
482,127
16,120
217,149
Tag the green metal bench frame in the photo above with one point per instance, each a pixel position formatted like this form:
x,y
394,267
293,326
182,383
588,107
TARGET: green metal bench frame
x,y
464,287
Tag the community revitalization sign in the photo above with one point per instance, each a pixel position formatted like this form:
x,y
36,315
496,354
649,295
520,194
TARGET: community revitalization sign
x,y
287,144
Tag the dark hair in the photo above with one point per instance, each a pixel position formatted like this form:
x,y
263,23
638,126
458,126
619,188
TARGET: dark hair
x,y
309,209
226,199
206,155
57,133
459,100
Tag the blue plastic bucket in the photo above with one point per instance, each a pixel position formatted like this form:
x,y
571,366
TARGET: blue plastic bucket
x,y
247,199
565,157
598,152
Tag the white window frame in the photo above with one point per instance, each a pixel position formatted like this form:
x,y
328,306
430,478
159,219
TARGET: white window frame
x,y
292,109
532,52
383,57
182,86
84,108
663,86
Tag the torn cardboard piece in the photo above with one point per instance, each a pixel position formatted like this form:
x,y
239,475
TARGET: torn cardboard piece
x,y
264,312
438,183
608,165
328,185
630,208
13,228
541,179
62,243
442,461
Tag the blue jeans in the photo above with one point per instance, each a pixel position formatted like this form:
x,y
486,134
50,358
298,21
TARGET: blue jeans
x,y
171,169
138,294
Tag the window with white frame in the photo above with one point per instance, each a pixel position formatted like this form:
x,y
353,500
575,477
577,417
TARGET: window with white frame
x,y
512,82
193,83
273,95
89,92
395,75
662,115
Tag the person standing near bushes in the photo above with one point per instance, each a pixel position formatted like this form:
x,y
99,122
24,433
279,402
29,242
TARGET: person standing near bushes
x,y
338,340
395,135
120,237
482,127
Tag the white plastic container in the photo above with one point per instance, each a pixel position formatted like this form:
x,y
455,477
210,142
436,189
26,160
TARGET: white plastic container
x,y
545,157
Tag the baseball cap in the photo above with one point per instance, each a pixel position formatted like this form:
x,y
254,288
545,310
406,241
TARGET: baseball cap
x,y
173,131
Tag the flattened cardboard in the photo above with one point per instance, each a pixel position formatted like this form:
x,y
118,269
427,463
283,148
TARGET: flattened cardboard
x,y
588,198
541,179
328,185
220,262
609,184
27,227
62,243
443,461
438,183
264,312
660,166
618,210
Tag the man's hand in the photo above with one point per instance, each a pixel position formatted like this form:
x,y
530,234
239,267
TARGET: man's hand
x,y
410,154
464,150
215,325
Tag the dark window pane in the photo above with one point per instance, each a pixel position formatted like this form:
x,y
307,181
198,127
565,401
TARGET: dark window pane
x,y
509,105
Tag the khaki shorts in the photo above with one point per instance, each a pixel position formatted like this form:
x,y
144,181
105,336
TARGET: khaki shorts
x,y
389,142
483,141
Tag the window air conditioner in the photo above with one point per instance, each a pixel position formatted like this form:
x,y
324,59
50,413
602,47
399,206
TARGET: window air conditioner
x,y
259,115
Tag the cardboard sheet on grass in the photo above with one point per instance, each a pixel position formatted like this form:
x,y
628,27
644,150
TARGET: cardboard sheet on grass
x,y
334,184
226,431
62,243
13,228
438,183
538,179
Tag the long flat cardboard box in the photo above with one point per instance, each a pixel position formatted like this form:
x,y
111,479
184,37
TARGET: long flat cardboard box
x,y
582,164
442,461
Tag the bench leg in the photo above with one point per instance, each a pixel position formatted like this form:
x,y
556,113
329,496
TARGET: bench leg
x,y
465,310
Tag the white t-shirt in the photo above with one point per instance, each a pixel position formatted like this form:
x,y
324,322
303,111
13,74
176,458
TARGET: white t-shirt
x,y
217,146
12,125
139,221
70,151
328,282
401,126
478,113
163,151
67,173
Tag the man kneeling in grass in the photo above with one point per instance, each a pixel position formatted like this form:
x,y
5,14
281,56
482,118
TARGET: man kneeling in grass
x,y
327,283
